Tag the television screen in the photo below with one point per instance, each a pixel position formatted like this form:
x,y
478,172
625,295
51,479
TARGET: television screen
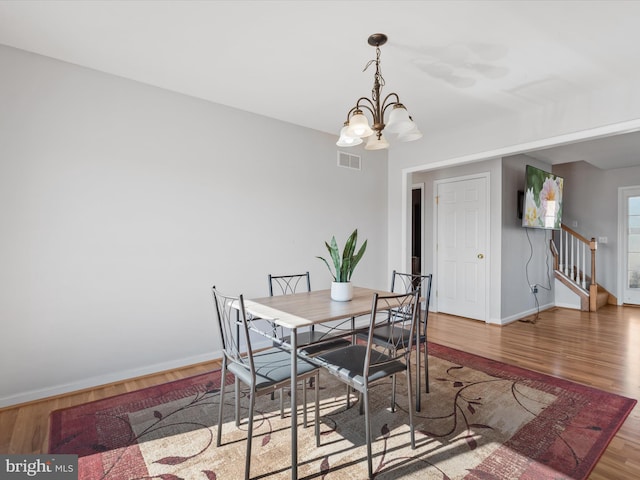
x,y
542,199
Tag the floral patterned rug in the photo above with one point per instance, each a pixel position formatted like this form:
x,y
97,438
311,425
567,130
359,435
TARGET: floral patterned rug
x,y
481,420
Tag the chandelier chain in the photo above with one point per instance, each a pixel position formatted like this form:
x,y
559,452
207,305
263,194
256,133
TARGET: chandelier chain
x,y
378,79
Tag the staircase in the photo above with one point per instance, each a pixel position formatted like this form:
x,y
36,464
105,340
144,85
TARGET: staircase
x,y
574,264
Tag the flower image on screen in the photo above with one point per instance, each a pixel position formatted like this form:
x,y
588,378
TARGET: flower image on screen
x,y
542,199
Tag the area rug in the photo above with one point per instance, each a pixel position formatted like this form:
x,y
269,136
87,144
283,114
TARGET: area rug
x,y
481,420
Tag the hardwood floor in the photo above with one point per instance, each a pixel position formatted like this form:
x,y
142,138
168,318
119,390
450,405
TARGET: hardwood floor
x,y
599,349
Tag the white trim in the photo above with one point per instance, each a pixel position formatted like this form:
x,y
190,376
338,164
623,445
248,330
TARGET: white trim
x,y
487,273
623,194
106,379
526,313
406,221
622,244
565,139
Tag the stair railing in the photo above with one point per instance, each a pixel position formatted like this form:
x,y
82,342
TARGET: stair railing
x,y
575,257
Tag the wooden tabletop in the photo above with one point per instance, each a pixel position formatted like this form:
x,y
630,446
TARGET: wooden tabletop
x,y
304,309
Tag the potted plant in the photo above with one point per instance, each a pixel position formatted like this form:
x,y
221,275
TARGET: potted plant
x,y
344,265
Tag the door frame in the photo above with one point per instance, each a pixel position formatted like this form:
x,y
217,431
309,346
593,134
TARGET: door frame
x,y
487,272
622,239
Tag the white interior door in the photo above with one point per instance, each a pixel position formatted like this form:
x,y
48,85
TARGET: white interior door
x,y
462,247
630,245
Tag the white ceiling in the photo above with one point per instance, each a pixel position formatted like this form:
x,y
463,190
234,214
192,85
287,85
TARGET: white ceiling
x,y
451,62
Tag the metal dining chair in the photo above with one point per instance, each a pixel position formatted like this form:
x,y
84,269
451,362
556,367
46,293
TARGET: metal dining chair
x,y
391,329
264,371
361,365
311,342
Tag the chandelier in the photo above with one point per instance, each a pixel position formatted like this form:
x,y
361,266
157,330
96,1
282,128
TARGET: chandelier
x,y
400,125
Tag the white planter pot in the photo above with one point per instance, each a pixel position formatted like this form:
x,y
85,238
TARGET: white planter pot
x,y
341,291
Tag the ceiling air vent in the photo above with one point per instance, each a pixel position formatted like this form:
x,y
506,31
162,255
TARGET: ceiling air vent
x,y
348,160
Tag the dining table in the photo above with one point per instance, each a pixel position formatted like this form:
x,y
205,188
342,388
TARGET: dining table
x,y
301,310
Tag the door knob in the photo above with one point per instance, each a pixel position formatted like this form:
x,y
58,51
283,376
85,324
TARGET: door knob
x,y
480,256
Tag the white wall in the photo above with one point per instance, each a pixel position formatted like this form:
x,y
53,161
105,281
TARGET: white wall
x,y
121,205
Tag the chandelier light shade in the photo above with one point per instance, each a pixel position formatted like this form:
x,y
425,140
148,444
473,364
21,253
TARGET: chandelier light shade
x,y
400,125
375,143
347,141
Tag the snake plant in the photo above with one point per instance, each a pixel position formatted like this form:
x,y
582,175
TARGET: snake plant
x,y
344,265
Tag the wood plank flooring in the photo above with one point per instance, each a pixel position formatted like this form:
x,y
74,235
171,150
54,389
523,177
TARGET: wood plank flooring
x,y
600,349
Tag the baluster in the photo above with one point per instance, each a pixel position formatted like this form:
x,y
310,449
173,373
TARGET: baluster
x,y
578,261
561,265
577,269
569,245
570,259
574,262
566,253
584,266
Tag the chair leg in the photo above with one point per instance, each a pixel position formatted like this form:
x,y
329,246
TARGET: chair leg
x,y
317,412
237,401
393,393
367,432
247,464
426,368
224,375
418,378
410,396
282,403
304,399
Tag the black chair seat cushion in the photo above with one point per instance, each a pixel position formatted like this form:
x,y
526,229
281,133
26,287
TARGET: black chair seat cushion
x,y
348,364
272,367
392,336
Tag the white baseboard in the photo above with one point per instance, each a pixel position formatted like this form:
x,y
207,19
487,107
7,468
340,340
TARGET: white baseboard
x,y
571,306
97,381
525,313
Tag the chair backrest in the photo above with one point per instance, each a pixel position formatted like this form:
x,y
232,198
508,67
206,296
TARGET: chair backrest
x,y
402,309
408,282
232,320
288,284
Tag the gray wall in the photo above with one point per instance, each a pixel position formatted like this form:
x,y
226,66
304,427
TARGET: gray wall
x,y
519,257
121,205
591,209
526,258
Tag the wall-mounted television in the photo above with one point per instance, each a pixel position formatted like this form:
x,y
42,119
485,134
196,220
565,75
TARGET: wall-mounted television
x,y
542,199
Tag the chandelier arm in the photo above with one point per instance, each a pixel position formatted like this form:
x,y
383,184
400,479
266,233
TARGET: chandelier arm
x,y
386,105
353,109
371,108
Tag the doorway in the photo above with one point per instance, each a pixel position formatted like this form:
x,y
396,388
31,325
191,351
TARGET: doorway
x,y
417,214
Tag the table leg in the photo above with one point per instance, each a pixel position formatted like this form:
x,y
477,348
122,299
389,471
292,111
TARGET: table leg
x,y
294,405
